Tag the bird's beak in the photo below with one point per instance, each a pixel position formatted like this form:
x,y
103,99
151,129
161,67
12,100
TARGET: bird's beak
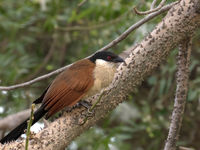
x,y
118,60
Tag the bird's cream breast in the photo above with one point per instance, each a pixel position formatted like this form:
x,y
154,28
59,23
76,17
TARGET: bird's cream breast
x,y
103,76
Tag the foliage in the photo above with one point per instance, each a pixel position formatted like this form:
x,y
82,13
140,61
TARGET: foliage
x,y
47,34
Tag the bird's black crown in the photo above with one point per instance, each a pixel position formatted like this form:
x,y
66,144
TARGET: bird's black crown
x,y
107,56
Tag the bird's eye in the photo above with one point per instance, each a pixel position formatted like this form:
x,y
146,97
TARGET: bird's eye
x,y
109,58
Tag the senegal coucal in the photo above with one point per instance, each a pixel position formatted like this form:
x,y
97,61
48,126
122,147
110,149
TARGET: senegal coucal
x,y
82,79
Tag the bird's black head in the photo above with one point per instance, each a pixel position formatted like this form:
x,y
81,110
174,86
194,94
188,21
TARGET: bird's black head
x,y
107,56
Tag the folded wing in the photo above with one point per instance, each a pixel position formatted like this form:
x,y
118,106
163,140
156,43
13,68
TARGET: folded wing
x,y
69,87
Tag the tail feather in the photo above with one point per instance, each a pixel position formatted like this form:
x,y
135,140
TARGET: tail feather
x,y
19,130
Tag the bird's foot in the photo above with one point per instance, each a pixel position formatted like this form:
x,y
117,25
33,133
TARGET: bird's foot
x,y
89,113
87,105
83,103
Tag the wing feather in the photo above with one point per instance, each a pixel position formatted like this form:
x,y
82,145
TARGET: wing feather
x,y
69,87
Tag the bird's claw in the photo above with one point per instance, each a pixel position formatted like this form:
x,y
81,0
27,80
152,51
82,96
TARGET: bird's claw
x,y
90,112
85,104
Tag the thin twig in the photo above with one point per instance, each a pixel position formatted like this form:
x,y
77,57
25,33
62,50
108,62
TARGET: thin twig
x,y
82,2
151,10
111,44
96,26
153,4
136,25
29,122
185,148
92,27
45,61
181,93
7,88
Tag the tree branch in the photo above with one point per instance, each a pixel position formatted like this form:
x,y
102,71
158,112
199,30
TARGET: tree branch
x,y
181,93
153,4
152,9
11,121
45,61
92,27
180,22
111,44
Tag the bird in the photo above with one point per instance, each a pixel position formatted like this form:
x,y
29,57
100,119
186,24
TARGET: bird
x,y
81,80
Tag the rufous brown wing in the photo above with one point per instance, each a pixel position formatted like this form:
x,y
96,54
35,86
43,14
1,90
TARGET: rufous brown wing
x,y
69,87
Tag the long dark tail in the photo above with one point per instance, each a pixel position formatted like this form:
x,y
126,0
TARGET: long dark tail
x,y
19,130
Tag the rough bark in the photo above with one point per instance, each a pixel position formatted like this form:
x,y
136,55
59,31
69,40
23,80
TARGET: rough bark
x,y
181,21
11,121
181,93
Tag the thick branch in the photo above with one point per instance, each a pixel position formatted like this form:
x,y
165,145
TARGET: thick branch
x,y
181,21
181,93
10,122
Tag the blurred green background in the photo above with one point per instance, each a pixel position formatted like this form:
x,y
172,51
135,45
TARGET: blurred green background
x,y
39,36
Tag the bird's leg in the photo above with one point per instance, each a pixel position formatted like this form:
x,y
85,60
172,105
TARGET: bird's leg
x,y
87,105
93,106
91,109
84,103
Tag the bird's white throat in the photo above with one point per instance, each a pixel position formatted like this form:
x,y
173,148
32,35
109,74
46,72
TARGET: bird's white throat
x,y
103,63
103,75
